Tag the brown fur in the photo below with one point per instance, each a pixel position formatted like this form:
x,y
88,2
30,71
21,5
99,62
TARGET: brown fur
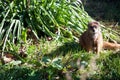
x,y
92,40
111,46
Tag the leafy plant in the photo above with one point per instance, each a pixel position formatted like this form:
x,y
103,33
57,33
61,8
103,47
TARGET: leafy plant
x,y
55,18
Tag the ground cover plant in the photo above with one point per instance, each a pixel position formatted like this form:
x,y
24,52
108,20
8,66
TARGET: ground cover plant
x,y
41,37
52,60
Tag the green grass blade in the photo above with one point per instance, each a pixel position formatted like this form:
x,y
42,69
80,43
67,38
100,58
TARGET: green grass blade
x,y
3,21
7,34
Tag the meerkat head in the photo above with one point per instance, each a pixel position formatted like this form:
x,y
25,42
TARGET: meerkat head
x,y
94,27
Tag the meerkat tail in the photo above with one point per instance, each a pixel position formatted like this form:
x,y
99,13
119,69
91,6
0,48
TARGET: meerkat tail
x,y
110,46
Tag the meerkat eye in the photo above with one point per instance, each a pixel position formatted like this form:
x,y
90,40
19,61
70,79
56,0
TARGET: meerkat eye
x,y
95,26
90,27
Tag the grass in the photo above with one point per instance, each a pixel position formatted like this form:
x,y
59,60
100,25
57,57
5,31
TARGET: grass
x,y
52,60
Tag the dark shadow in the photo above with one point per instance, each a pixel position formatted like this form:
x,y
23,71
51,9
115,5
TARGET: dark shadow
x,y
64,49
22,73
103,9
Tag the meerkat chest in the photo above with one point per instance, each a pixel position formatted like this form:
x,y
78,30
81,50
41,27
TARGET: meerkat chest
x,y
95,37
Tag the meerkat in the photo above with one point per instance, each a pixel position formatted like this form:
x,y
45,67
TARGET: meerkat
x,y
91,39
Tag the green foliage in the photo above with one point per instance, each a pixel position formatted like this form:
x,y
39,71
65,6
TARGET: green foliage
x,y
109,68
46,60
55,18
50,60
62,20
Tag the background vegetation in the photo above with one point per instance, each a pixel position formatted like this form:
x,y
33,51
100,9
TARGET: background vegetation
x,y
105,10
40,38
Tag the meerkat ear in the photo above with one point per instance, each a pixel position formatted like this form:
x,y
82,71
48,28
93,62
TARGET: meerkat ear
x,y
89,24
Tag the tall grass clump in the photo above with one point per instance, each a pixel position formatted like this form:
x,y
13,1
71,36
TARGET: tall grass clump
x,y
58,19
